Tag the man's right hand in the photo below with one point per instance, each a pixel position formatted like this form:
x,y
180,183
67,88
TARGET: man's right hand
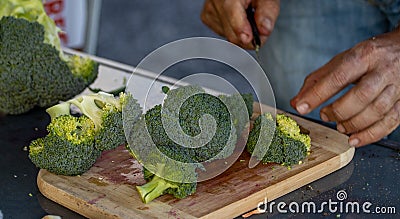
x,y
228,19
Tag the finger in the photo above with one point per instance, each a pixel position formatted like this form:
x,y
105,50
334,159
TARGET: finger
x,y
379,130
236,26
341,71
210,18
228,19
308,83
266,13
311,80
356,99
373,113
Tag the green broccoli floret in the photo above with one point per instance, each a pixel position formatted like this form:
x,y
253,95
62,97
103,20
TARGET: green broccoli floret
x,y
288,147
68,148
74,142
226,110
34,71
232,103
190,116
164,175
205,118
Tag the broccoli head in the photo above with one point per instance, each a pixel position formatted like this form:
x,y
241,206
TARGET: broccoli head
x,y
205,125
289,146
74,141
68,148
166,138
34,71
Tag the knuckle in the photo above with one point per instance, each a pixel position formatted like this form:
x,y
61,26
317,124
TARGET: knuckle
x,y
340,78
367,48
317,93
364,93
351,126
308,78
390,69
381,107
373,135
339,116
384,127
361,53
394,115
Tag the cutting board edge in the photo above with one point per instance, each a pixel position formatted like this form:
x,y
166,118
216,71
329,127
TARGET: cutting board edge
x,y
92,211
342,160
69,200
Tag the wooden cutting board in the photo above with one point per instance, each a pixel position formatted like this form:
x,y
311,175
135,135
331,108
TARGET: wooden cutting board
x,y
108,190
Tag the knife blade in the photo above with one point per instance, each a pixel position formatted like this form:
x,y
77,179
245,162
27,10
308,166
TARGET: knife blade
x,y
256,36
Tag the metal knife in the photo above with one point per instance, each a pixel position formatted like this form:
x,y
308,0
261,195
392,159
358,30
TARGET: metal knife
x,y
256,36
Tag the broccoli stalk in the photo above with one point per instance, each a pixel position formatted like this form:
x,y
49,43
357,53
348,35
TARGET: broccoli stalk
x,y
34,71
73,143
288,147
154,189
158,186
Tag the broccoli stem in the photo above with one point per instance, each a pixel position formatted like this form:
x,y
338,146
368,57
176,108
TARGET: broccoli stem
x,y
61,109
154,189
88,107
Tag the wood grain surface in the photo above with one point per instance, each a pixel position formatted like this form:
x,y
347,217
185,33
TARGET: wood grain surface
x,y
107,190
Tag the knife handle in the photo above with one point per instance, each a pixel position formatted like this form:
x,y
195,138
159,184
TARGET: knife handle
x,y
256,36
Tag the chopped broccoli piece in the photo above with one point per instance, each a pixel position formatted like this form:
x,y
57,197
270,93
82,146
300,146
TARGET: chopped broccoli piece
x,y
34,71
218,133
158,186
288,146
68,148
232,103
74,142
164,176
187,125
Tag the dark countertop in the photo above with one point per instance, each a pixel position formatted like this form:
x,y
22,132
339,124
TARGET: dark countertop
x,y
372,175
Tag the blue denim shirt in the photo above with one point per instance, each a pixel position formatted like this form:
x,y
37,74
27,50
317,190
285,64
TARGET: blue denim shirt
x,y
308,33
390,8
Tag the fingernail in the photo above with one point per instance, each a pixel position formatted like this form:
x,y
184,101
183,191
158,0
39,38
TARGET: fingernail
x,y
267,26
303,108
354,142
324,117
340,128
244,38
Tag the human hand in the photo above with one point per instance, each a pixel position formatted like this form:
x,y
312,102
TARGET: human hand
x,y
228,19
371,109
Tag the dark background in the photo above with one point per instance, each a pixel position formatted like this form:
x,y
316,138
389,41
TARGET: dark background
x,y
131,29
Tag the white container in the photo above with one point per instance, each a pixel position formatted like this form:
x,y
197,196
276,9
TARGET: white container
x,y
79,21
